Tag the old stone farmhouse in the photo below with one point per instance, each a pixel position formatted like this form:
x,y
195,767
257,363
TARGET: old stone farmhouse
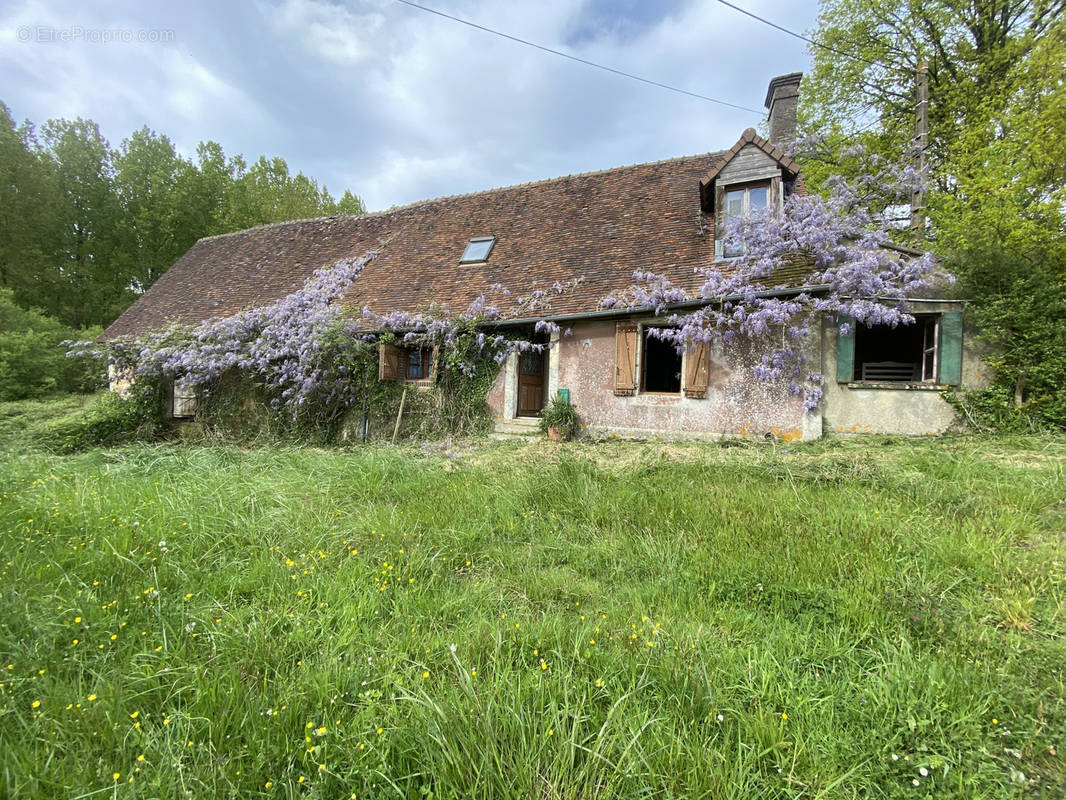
x,y
600,227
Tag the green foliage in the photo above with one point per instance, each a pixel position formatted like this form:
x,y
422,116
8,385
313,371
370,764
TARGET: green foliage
x,y
27,219
457,406
997,145
33,360
107,420
164,211
1028,322
972,52
85,228
236,409
917,625
561,415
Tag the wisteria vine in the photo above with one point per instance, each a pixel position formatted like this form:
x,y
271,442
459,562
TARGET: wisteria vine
x,y
302,349
853,270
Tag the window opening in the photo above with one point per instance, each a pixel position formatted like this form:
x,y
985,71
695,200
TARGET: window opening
x,y
905,354
739,202
420,364
660,365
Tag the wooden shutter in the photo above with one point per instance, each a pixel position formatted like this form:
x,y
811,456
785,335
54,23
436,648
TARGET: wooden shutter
x,y
183,400
696,370
625,358
392,362
846,351
949,348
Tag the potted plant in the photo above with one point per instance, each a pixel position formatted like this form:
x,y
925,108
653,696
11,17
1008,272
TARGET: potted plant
x,y
559,420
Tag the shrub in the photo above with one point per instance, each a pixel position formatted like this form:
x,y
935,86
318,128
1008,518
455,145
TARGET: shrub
x,y
109,419
33,360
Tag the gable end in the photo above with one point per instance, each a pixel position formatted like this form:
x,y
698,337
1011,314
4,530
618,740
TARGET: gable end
x,y
747,152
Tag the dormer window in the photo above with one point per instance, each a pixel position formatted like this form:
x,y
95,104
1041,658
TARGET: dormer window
x,y
478,250
740,201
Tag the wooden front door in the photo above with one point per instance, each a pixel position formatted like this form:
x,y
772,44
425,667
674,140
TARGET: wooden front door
x,y
530,384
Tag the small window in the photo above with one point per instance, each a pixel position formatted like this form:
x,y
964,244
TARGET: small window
x,y
904,354
478,249
660,365
399,363
420,364
738,202
183,400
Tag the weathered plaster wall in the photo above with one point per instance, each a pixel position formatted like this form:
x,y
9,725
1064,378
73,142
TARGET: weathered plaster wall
x,y
850,408
736,403
497,396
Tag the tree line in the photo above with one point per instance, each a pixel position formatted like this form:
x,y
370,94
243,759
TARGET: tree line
x,y
85,227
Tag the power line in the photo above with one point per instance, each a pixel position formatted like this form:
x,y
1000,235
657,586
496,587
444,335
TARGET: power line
x,y
793,33
580,60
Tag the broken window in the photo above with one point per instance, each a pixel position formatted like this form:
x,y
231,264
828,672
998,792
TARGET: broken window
x,y
660,365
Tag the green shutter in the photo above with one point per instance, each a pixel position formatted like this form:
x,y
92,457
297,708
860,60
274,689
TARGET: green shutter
x,y
845,352
950,348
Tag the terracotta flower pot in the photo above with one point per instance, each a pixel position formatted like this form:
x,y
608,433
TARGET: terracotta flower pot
x,y
555,434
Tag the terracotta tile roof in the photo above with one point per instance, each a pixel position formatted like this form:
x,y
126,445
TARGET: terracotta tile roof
x,y
600,225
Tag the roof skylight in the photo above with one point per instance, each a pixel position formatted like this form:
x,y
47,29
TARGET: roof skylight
x,y
478,249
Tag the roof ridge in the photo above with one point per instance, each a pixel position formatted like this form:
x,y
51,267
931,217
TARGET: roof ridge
x,y
442,198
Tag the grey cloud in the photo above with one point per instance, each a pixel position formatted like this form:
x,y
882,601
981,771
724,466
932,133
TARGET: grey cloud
x,y
399,105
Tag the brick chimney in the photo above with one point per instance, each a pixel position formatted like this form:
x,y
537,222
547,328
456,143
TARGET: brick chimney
x,y
782,99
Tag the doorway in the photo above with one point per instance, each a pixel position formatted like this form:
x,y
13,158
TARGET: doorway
x,y
531,383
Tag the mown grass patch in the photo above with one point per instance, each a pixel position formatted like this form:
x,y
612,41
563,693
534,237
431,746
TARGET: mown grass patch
x,y
869,618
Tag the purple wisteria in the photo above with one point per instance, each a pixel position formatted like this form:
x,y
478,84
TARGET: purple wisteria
x,y
852,270
304,349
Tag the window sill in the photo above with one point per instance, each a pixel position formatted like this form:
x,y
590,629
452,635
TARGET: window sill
x,y
898,385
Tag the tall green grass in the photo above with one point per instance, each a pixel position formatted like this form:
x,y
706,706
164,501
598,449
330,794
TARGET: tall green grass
x,y
839,619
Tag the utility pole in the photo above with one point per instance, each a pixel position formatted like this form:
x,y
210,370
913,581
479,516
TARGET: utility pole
x,y
921,142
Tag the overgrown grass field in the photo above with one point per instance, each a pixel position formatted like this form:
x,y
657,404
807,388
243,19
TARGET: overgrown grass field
x,y
867,618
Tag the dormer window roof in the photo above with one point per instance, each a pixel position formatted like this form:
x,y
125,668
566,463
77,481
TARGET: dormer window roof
x,y
478,249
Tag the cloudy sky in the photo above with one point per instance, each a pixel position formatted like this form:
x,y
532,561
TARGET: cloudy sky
x,y
398,104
